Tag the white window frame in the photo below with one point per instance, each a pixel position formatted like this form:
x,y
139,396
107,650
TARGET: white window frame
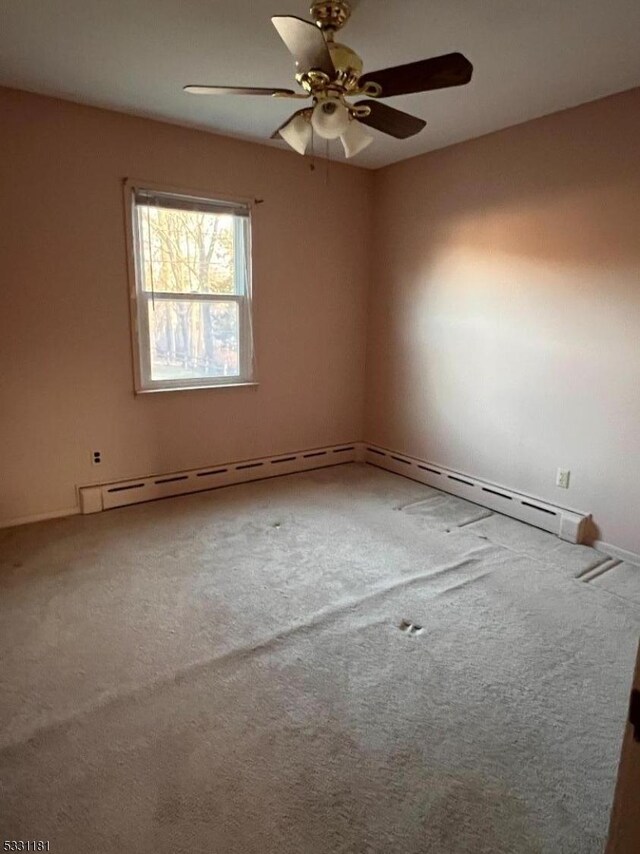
x,y
139,298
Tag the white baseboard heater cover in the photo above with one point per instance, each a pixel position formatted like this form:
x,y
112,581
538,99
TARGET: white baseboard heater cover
x,y
105,496
567,524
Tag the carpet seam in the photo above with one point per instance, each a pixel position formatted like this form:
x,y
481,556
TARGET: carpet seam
x,y
316,621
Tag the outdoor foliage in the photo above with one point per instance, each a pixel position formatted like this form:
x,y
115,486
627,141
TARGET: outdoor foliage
x,y
189,252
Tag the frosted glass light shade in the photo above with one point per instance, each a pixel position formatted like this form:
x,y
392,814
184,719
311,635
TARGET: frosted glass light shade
x,y
297,134
330,119
355,139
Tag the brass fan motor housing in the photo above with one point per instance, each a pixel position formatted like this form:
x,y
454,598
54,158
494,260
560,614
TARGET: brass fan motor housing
x,y
330,14
347,63
348,69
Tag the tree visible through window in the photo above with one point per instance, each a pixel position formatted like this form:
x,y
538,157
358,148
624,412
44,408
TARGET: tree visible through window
x,y
192,291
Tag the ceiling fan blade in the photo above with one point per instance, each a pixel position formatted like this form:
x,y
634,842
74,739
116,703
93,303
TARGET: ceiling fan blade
x,y
439,72
276,133
389,120
305,42
193,89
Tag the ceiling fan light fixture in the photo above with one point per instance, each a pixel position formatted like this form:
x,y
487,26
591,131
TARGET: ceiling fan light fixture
x,y
297,134
355,139
330,118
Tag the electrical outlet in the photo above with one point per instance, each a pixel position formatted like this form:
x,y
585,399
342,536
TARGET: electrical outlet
x,y
96,457
562,478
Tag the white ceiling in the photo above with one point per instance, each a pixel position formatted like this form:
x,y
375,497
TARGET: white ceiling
x,y
531,57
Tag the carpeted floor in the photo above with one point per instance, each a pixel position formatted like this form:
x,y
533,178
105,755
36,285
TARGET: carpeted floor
x,y
233,672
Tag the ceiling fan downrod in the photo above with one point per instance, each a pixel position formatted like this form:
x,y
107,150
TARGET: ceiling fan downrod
x,y
330,15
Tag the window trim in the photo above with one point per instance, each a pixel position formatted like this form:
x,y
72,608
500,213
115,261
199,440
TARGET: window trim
x,y
138,300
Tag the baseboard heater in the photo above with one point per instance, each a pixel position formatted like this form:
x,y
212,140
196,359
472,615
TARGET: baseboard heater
x,y
567,524
105,496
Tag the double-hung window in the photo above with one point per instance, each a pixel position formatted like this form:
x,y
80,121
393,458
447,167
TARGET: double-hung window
x,y
191,295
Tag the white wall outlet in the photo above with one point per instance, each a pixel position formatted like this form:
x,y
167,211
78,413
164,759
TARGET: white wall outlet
x,y
96,457
562,478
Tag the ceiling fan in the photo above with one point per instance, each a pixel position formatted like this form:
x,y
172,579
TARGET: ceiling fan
x,y
330,72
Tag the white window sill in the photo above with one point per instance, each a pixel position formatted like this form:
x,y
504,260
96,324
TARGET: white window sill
x,y
195,387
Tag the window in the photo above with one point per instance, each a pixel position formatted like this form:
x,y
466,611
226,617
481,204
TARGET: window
x,y
192,291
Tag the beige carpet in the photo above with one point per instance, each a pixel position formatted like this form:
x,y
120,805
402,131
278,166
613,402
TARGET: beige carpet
x,y
227,673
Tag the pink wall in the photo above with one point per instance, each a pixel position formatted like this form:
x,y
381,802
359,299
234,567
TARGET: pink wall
x,y
504,306
66,377
504,334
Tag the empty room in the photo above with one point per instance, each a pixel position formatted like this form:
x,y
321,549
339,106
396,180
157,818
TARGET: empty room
x,y
320,426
